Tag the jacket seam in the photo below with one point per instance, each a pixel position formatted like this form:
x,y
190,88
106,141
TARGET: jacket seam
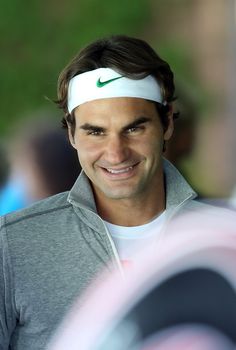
x,y
29,216
10,269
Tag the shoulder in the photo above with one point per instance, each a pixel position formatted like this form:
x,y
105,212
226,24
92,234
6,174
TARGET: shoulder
x,y
41,210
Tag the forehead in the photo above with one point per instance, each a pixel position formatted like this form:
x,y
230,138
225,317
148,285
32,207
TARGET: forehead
x,y
121,109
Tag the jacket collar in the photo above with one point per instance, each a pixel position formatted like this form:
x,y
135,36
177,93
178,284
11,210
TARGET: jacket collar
x,y
81,194
177,190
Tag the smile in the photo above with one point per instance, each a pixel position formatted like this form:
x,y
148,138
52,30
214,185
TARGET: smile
x,y
119,171
123,173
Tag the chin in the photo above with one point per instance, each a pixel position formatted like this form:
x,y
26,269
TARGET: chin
x,y
119,194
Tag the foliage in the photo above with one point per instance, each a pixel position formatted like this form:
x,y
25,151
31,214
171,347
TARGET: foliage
x,y
39,37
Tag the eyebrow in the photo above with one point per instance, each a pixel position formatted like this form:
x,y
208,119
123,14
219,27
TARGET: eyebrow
x,y
137,122
88,126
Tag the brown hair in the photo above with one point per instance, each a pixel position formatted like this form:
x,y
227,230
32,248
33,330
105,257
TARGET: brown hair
x,y
131,57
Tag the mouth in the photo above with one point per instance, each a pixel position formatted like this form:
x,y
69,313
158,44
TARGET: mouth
x,y
120,173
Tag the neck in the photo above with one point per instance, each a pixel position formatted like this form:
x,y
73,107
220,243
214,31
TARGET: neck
x,y
132,212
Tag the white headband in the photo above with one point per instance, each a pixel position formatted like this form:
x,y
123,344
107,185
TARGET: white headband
x,y
107,83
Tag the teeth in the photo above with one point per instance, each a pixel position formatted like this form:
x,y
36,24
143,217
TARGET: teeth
x,y
117,171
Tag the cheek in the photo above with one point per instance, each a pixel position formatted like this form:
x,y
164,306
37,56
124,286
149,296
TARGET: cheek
x,y
153,144
87,151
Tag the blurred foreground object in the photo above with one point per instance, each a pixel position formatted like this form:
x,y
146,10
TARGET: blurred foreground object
x,y
183,298
42,163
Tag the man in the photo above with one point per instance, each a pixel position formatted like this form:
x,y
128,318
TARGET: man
x,y
117,97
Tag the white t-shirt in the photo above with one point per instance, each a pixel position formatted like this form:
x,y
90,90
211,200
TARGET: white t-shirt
x,y
130,240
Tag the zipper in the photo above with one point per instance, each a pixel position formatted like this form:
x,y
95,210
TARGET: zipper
x,y
114,250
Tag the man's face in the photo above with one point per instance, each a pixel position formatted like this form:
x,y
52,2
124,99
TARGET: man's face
x,y
119,143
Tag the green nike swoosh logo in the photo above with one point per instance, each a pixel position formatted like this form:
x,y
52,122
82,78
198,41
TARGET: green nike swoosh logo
x,y
103,83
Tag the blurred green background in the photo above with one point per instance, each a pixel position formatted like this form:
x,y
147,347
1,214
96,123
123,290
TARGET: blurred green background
x,y
39,37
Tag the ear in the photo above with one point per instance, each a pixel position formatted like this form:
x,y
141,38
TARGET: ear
x,y
170,128
71,137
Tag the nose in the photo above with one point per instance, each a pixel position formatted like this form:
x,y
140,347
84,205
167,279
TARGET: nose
x,y
117,150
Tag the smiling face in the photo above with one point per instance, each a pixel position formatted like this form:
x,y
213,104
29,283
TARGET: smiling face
x,y
119,143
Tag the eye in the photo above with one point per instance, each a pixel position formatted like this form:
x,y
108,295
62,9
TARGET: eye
x,y
130,130
95,132
135,129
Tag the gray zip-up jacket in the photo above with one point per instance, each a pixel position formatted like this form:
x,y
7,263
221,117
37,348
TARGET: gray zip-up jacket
x,y
52,250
